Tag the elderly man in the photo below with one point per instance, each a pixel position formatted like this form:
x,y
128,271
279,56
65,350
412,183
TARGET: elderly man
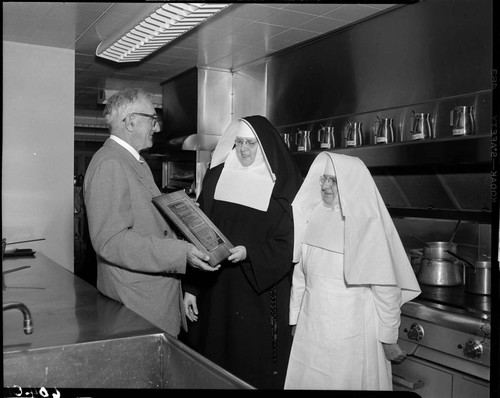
x,y
139,258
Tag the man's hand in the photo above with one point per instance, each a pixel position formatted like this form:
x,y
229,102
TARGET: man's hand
x,y
190,307
238,253
198,259
394,353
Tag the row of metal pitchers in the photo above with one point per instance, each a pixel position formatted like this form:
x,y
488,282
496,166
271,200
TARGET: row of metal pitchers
x,y
354,136
384,130
326,138
302,141
462,120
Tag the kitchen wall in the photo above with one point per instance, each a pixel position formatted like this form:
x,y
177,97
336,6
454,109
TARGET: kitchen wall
x,y
412,55
250,91
38,147
429,56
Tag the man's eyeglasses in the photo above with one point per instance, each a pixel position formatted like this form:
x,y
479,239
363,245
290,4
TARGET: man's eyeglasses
x,y
250,143
331,180
154,117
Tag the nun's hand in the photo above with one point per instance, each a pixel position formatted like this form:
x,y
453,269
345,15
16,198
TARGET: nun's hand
x,y
238,253
394,353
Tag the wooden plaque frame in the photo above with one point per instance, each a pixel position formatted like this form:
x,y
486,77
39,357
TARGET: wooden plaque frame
x,y
195,225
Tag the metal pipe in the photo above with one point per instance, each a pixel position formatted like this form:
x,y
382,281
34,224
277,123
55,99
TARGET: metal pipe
x,y
25,241
28,323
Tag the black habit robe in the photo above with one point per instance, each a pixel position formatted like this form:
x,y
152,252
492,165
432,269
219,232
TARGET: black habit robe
x,y
243,322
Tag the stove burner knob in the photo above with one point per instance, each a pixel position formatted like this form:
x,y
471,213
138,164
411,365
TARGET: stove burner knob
x,y
416,332
473,349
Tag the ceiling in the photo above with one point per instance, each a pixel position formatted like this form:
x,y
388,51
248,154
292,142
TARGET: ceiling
x,y
241,34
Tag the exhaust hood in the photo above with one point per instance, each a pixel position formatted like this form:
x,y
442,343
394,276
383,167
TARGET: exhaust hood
x,y
446,178
196,110
450,196
200,142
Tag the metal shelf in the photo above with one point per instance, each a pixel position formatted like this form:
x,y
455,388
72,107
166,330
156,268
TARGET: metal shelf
x,y
482,217
445,152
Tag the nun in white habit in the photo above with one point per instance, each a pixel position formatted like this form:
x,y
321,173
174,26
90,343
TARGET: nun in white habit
x,y
351,278
239,319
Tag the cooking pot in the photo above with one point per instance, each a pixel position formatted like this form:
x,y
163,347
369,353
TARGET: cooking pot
x,y
440,272
477,276
438,250
415,257
478,302
477,279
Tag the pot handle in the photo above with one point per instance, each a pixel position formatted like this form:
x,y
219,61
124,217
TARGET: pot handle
x,y
420,240
460,258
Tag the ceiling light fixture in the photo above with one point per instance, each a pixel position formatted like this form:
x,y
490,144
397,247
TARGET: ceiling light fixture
x,y
156,29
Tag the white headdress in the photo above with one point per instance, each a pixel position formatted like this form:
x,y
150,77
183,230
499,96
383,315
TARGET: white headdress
x,y
249,186
373,251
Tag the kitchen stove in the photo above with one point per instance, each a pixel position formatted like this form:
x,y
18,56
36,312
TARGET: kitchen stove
x,y
446,333
456,299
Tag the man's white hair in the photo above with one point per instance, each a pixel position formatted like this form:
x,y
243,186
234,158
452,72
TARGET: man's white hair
x,y
118,104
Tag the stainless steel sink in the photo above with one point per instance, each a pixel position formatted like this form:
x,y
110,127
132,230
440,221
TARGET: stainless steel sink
x,y
150,361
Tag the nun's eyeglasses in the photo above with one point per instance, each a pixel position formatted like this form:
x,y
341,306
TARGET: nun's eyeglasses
x,y
250,143
331,180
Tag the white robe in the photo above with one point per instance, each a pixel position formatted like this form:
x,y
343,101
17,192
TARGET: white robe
x,y
337,343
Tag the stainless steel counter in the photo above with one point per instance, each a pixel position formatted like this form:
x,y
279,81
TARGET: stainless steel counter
x,y
65,309
81,339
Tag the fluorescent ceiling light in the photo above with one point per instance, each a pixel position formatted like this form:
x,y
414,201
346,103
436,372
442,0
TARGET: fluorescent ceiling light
x,y
156,29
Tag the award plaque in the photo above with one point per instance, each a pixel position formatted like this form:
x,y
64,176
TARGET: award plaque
x,y
195,225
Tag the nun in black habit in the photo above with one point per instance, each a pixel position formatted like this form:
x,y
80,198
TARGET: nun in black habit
x,y
240,314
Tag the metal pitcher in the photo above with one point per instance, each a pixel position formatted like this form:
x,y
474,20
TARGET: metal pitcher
x,y
384,131
354,135
422,126
326,138
462,120
303,140
286,139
